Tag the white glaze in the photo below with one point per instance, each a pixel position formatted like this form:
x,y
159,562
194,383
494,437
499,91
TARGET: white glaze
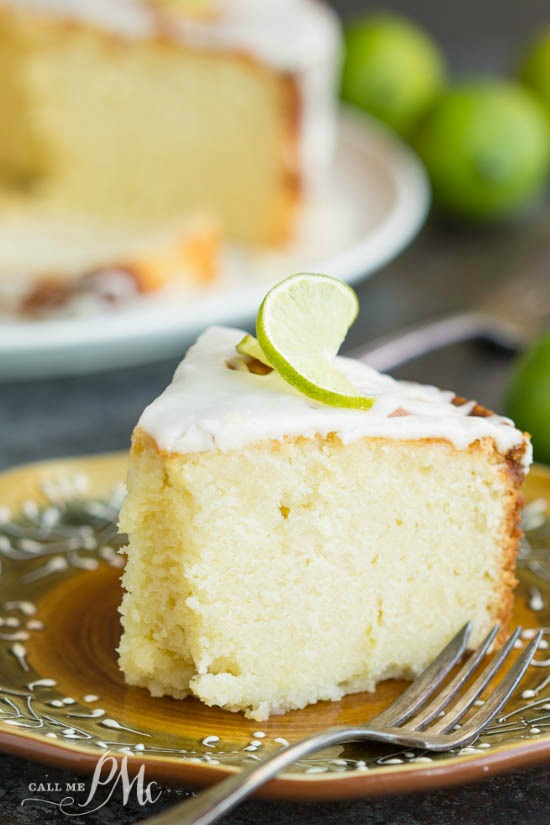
x,y
209,406
287,34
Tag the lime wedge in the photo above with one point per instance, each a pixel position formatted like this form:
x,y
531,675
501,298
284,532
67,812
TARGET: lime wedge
x,y
249,346
301,325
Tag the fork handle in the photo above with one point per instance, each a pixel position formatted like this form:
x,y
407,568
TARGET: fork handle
x,y
221,798
393,350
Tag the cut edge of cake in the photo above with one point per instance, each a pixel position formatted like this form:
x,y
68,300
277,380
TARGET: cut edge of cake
x,y
292,99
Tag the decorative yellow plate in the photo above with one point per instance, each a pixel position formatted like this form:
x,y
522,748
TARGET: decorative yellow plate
x,y
63,700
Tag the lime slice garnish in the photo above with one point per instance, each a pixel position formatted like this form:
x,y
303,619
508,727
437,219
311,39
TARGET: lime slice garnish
x,y
301,325
249,346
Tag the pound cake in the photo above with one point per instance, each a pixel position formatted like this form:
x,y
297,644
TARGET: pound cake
x,y
282,551
148,110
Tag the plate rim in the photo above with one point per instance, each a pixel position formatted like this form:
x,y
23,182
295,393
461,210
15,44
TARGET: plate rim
x,y
386,780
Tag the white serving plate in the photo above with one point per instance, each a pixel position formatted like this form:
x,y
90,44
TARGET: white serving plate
x,y
374,205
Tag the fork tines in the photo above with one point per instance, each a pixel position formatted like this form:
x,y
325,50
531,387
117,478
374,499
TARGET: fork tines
x,y
421,704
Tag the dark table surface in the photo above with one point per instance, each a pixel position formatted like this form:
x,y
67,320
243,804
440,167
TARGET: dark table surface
x,y
445,269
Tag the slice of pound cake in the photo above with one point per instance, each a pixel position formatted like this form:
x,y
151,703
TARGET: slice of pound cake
x,y
283,551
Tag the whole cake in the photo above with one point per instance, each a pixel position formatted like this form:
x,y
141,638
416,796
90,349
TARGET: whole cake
x,y
151,109
282,551
143,131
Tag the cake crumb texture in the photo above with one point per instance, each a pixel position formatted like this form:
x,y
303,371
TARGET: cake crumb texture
x,y
265,579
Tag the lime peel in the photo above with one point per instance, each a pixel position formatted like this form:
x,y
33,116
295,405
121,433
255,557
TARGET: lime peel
x,y
300,327
250,347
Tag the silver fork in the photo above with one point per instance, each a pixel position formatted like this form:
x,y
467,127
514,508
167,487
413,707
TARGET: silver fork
x,y
418,705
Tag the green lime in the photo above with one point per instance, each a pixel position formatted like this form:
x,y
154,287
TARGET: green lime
x,y
249,346
486,145
535,68
392,69
529,396
301,325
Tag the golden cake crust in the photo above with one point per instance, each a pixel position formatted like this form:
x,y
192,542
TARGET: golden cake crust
x,y
513,466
